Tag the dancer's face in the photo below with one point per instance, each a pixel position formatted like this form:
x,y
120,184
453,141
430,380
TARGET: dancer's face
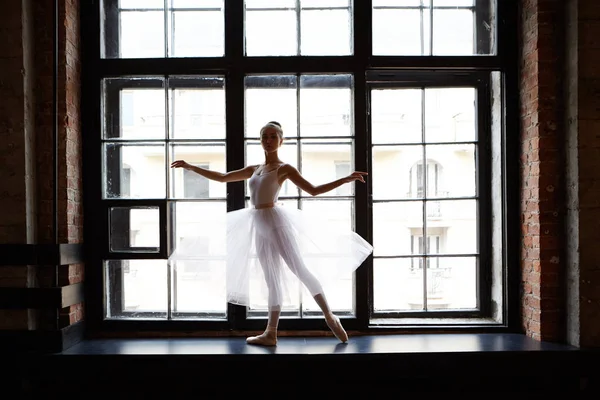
x,y
270,140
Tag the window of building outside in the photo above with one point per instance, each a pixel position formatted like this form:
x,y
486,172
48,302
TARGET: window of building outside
x,y
195,186
411,91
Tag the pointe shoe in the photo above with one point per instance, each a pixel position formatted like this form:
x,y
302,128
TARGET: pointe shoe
x,y
336,327
262,340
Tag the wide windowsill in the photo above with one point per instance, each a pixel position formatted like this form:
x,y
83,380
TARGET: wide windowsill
x,y
374,364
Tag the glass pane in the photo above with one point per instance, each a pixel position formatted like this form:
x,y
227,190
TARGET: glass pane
x,y
396,227
454,223
136,288
141,4
455,279
198,108
199,285
453,32
190,185
400,3
288,154
270,3
134,229
134,171
198,33
401,32
337,215
326,105
271,33
324,3
197,4
291,203
142,34
395,287
396,115
325,32
271,98
450,283
395,175
450,115
134,108
415,280
322,162
399,284
453,3
450,171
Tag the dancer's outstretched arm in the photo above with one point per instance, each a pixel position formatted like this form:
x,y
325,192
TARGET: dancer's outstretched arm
x,y
294,175
232,176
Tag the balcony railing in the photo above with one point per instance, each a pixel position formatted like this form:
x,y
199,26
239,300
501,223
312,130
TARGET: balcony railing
x,y
433,208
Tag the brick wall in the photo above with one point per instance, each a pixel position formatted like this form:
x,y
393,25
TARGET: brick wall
x,y
560,160
71,185
541,170
26,131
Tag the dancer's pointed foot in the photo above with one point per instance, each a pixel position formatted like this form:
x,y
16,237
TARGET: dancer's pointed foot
x,y
333,322
268,338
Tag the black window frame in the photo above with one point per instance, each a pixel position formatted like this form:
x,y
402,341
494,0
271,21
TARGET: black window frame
x,y
234,66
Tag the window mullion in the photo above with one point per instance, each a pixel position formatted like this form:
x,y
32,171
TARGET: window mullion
x,y
484,181
423,249
234,36
362,49
166,25
110,9
234,120
298,28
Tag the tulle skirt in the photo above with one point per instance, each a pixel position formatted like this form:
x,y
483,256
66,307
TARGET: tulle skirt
x,y
268,253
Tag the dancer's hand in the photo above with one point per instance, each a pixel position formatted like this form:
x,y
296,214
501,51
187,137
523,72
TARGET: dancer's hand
x,y
180,164
356,176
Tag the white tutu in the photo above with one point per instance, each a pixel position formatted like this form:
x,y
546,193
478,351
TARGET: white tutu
x,y
258,242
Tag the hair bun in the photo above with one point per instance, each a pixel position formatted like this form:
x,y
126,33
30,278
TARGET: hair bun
x,y
274,123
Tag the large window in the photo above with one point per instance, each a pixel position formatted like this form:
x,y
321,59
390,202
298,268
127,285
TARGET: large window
x,y
415,92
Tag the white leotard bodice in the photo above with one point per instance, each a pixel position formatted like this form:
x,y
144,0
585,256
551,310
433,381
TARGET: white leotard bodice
x,y
264,186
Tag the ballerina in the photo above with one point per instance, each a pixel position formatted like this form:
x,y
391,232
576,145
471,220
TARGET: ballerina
x,y
269,233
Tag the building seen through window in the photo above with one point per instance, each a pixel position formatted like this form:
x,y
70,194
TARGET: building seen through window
x,y
177,81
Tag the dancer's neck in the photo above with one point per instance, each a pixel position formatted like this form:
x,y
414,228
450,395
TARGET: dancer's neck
x,y
272,158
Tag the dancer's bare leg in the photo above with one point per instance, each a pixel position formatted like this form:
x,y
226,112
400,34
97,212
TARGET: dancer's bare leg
x,y
269,336
269,257
291,256
333,322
